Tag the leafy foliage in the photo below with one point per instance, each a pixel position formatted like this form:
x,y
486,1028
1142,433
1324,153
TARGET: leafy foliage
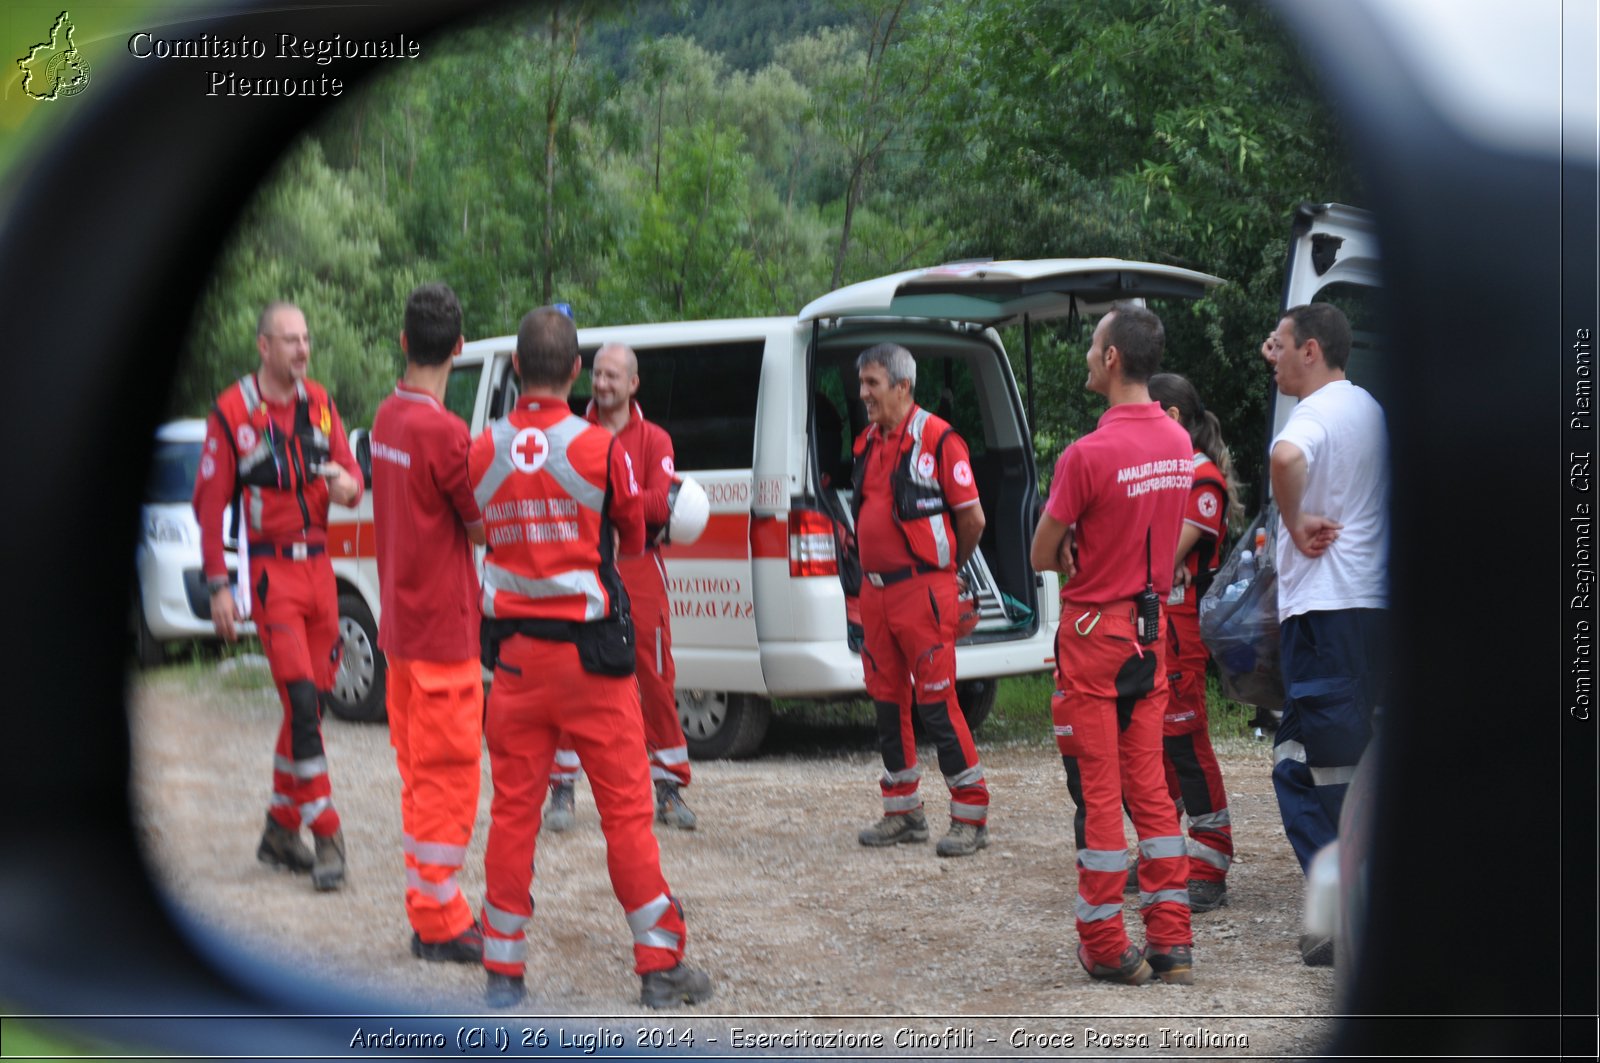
x,y
666,160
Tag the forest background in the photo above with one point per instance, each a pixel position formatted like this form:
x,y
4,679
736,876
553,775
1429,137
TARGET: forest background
x,y
662,160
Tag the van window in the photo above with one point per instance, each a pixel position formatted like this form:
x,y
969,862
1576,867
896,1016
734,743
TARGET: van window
x,y
172,471
703,394
461,391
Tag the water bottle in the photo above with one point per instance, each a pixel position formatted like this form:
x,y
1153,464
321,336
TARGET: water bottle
x,y
1245,573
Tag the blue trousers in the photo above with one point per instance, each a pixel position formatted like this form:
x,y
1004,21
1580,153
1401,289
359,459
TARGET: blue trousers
x,y
1334,672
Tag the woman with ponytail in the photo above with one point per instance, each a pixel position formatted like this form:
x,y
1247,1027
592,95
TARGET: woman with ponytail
x,y
1194,779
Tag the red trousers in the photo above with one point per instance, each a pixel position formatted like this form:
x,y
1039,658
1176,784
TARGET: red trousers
x,y
1194,778
436,728
909,660
1107,714
646,582
296,610
540,691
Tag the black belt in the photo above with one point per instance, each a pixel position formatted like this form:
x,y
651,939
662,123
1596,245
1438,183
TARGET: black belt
x,y
288,551
899,575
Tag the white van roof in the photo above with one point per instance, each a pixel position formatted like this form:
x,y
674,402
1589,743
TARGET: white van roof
x,y
1000,293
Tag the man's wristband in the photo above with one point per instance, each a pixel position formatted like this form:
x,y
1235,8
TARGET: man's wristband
x,y
218,583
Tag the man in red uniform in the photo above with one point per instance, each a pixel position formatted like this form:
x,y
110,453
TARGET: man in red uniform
x,y
426,520
1117,500
275,449
559,500
912,476
616,381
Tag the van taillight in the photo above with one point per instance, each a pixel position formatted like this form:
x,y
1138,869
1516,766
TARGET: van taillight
x,y
811,549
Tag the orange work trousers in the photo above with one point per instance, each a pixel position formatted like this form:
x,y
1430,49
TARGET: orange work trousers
x,y
1111,696
540,691
436,728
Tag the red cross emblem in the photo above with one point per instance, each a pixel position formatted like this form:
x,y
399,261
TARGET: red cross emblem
x,y
529,450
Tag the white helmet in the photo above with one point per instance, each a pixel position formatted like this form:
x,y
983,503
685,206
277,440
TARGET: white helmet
x,y
690,509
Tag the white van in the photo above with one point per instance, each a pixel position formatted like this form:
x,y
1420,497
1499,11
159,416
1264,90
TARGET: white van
x,y
762,412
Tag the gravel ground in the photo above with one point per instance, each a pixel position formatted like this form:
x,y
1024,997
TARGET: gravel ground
x,y
802,930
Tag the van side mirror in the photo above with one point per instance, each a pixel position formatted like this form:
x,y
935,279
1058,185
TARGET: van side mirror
x,y
361,447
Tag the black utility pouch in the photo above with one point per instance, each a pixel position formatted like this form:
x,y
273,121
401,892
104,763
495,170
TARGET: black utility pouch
x,y
1147,616
606,647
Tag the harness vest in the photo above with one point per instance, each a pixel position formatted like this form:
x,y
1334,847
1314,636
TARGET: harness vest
x,y
919,507
275,469
543,498
1207,552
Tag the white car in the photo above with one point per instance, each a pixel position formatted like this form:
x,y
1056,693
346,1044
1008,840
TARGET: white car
x,y
172,604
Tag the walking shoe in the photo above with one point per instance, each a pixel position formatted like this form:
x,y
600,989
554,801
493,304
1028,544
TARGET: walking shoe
x,y
904,827
670,808
504,991
1131,968
328,871
465,947
1316,950
681,985
282,848
1173,964
964,839
559,816
1207,895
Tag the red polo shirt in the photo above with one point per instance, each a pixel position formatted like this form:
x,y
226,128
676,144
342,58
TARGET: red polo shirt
x,y
422,504
649,447
1130,474
882,544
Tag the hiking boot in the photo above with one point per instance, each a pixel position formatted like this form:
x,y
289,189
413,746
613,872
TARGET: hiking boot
x,y
964,839
681,985
670,808
465,947
328,871
504,991
1131,968
1207,895
282,848
1316,950
1132,885
1173,964
559,816
890,830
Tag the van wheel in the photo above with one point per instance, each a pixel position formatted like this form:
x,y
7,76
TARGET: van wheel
x,y
146,648
976,697
358,686
722,726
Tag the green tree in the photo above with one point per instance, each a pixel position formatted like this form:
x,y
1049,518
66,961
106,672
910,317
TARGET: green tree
x,y
1180,131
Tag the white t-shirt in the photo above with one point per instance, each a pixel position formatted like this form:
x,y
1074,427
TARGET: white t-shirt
x,y
1341,430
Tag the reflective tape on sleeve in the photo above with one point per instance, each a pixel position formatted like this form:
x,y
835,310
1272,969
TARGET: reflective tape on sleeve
x,y
1288,749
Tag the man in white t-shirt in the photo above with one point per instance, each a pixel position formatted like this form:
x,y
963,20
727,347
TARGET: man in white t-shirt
x,y
1330,478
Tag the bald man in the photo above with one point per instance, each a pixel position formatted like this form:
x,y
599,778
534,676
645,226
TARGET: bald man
x,y
615,379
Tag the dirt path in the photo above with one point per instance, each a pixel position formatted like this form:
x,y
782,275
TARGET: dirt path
x,y
803,930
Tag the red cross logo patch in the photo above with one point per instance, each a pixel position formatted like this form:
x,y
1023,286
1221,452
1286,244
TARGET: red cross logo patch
x,y
529,450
